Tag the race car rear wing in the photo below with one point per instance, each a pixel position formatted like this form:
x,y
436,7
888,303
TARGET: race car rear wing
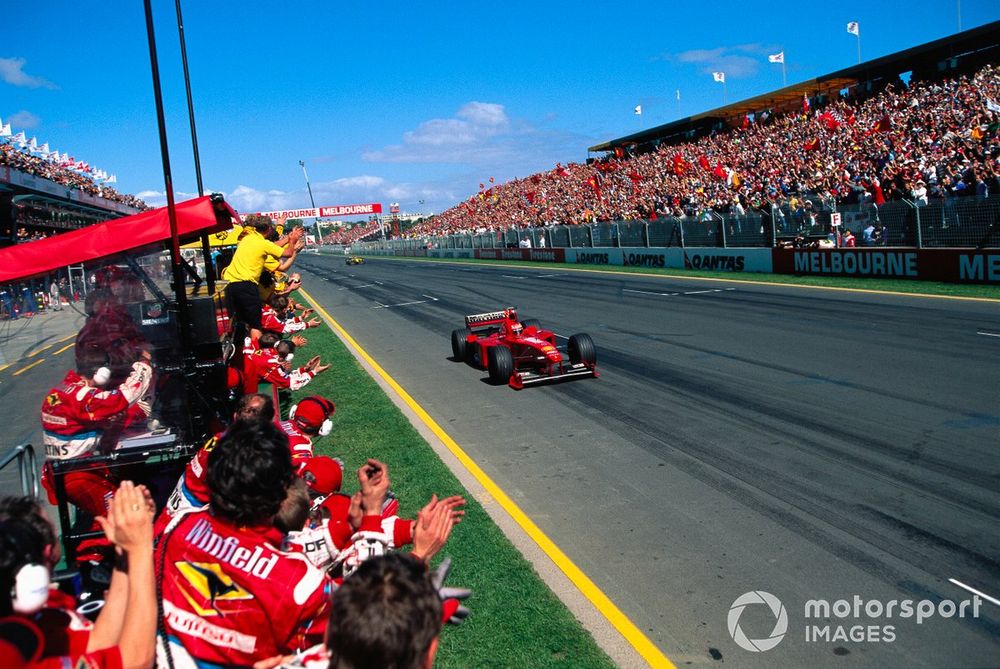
x,y
489,318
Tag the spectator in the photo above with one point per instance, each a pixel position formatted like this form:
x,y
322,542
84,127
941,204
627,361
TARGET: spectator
x,y
29,551
74,415
387,614
244,272
249,476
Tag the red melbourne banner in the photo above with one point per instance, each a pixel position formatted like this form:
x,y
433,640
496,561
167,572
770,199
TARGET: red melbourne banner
x,y
335,210
956,265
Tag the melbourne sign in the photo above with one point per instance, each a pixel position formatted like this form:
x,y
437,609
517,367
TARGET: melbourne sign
x,y
316,212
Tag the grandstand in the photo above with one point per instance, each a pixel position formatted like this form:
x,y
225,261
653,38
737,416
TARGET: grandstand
x,y
44,192
918,126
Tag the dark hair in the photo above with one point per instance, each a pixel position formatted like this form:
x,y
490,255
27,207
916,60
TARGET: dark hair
x,y
264,410
386,615
294,511
28,510
268,339
20,545
285,347
249,472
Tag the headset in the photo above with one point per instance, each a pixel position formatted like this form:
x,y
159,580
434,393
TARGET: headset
x,y
102,376
326,405
30,590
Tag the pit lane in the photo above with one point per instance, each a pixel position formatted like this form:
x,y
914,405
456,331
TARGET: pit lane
x,y
809,443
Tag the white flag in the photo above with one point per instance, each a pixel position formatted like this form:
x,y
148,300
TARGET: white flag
x,y
990,104
33,144
5,131
20,138
638,110
854,28
113,179
719,76
776,58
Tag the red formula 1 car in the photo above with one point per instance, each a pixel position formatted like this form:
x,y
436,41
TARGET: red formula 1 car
x,y
520,353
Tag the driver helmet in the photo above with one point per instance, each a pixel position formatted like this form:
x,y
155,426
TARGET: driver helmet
x,y
516,328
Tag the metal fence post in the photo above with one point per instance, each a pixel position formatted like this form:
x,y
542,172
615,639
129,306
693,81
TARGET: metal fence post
x,y
920,233
722,226
569,236
645,233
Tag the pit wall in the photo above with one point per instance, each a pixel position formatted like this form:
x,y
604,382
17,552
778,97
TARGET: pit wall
x,y
951,265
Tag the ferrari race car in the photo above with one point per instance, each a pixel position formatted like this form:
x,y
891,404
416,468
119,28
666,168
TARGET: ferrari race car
x,y
520,353
355,260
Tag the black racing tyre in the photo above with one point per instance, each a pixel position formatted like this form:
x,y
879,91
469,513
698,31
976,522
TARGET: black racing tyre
x,y
459,346
501,365
581,349
531,323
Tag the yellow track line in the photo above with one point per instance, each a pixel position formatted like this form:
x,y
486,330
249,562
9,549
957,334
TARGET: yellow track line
x,y
3,367
59,341
34,364
40,350
67,346
602,602
752,282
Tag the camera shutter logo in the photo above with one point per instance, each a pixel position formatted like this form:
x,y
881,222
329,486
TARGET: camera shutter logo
x,y
780,623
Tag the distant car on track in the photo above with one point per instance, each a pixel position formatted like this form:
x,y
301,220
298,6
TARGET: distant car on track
x,y
355,260
520,353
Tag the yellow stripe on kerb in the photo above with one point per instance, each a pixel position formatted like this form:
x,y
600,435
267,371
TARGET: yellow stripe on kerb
x,y
602,602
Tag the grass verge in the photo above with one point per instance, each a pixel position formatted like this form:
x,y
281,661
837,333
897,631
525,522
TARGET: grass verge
x,y
903,286
516,620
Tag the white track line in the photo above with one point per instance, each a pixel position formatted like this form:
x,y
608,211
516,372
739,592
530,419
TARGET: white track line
x,y
989,334
646,292
508,276
364,285
974,591
401,304
432,299
545,276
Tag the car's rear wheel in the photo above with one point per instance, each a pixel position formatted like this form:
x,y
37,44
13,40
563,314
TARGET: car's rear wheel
x,y
531,323
501,365
459,344
581,349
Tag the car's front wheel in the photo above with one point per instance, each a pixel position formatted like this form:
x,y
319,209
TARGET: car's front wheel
x,y
501,365
581,349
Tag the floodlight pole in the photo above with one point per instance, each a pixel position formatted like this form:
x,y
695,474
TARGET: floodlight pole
x,y
205,250
302,164
168,182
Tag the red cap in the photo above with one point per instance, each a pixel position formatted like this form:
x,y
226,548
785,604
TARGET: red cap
x,y
324,475
311,411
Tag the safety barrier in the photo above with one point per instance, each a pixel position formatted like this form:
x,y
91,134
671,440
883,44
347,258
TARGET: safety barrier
x,y
27,468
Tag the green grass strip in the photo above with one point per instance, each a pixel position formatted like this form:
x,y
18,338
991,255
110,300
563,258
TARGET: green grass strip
x,y
516,620
903,286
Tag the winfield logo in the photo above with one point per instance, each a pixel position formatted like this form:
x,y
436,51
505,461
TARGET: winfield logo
x,y
780,621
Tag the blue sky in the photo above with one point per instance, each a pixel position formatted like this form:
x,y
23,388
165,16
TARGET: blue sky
x,y
398,102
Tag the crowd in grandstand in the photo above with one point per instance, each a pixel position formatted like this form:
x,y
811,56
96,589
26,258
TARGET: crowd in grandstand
x,y
266,554
921,141
22,160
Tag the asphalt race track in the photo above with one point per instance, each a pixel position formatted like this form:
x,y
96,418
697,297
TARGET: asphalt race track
x,y
813,444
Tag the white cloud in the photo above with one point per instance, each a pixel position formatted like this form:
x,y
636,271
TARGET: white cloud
x,y
12,71
24,119
478,130
739,61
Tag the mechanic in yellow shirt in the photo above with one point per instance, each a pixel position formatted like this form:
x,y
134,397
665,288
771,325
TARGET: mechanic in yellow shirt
x,y
243,273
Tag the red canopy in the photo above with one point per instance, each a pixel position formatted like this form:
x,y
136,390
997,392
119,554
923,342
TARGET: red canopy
x,y
197,216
